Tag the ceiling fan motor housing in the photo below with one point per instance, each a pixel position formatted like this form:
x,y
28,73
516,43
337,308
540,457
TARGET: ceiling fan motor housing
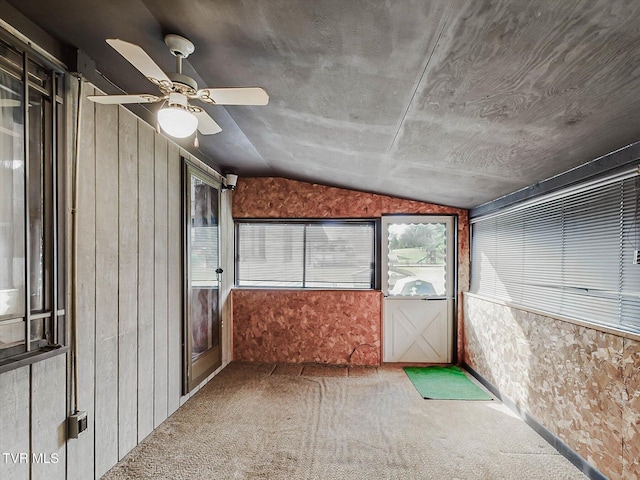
x,y
183,83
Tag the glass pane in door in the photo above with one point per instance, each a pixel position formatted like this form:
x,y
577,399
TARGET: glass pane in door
x,y
417,259
205,323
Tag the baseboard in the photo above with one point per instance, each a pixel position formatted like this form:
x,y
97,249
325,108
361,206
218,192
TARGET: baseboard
x,y
562,448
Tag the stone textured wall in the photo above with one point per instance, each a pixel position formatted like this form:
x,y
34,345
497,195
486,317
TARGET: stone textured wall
x,y
258,312
581,384
305,326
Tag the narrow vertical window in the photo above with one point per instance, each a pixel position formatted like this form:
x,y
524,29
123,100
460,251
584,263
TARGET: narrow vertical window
x,y
31,299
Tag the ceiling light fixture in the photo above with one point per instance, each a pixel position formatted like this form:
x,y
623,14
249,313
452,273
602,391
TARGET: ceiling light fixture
x,y
175,119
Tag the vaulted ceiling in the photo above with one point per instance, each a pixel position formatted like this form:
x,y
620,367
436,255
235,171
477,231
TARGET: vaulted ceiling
x,y
452,102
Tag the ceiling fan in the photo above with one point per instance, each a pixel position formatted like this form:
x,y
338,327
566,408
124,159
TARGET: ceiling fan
x,y
177,117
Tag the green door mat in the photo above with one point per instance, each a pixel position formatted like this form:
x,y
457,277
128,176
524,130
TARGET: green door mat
x,y
444,383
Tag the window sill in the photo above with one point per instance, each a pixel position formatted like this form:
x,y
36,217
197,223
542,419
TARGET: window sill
x,y
28,358
306,289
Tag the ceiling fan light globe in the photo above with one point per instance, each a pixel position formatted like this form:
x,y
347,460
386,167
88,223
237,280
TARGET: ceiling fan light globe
x,y
177,122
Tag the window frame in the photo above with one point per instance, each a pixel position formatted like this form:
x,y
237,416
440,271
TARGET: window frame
x,y
376,241
54,186
577,229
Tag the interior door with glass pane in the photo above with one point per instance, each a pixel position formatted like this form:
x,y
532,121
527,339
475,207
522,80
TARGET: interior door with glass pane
x,y
203,353
418,283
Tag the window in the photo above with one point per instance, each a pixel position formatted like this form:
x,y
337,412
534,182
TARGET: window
x,y
569,253
31,237
317,254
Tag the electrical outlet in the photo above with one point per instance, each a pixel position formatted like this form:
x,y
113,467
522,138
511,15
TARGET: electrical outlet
x,y
636,257
77,424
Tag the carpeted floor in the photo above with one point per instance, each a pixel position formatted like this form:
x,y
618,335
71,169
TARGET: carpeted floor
x,y
262,422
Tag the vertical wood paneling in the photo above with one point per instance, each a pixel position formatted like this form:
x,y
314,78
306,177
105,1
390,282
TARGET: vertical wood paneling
x,y
160,283
174,257
146,272
128,281
80,450
106,371
48,418
14,421
129,307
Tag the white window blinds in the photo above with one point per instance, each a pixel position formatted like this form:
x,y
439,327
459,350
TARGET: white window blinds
x,y
568,254
306,255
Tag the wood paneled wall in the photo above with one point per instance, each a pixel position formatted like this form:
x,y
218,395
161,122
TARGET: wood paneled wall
x,y
129,306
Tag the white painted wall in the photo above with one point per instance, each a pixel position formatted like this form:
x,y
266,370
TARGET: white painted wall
x,y
129,307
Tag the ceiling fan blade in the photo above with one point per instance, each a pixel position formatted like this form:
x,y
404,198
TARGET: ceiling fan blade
x,y
234,96
122,99
206,124
137,57
9,102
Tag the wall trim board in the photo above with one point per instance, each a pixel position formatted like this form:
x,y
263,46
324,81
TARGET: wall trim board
x,y
563,449
610,163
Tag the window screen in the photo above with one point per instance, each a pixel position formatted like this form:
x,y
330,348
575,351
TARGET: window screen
x,y
571,254
306,255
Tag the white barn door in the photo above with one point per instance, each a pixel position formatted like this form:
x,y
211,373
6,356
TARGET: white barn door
x,y
418,283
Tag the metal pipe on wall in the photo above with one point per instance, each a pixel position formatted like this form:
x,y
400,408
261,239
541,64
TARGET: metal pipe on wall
x,y
74,247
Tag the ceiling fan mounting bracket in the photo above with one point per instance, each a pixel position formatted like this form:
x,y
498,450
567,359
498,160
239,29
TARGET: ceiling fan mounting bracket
x,y
179,46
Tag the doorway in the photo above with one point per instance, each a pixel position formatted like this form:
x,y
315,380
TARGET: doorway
x,y
418,284
202,331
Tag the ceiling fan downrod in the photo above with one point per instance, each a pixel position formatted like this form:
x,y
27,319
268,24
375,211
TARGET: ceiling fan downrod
x,y
179,47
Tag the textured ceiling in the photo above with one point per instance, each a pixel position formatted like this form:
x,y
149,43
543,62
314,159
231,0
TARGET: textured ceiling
x,y
452,102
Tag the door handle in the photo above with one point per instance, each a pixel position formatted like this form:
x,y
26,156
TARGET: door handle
x,y
219,270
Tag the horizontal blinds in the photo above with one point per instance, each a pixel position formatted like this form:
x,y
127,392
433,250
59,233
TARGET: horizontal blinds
x,y
570,255
204,256
542,251
309,255
509,255
270,255
591,251
483,257
339,256
630,273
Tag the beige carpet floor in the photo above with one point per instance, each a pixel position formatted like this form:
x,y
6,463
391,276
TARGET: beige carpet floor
x,y
279,422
